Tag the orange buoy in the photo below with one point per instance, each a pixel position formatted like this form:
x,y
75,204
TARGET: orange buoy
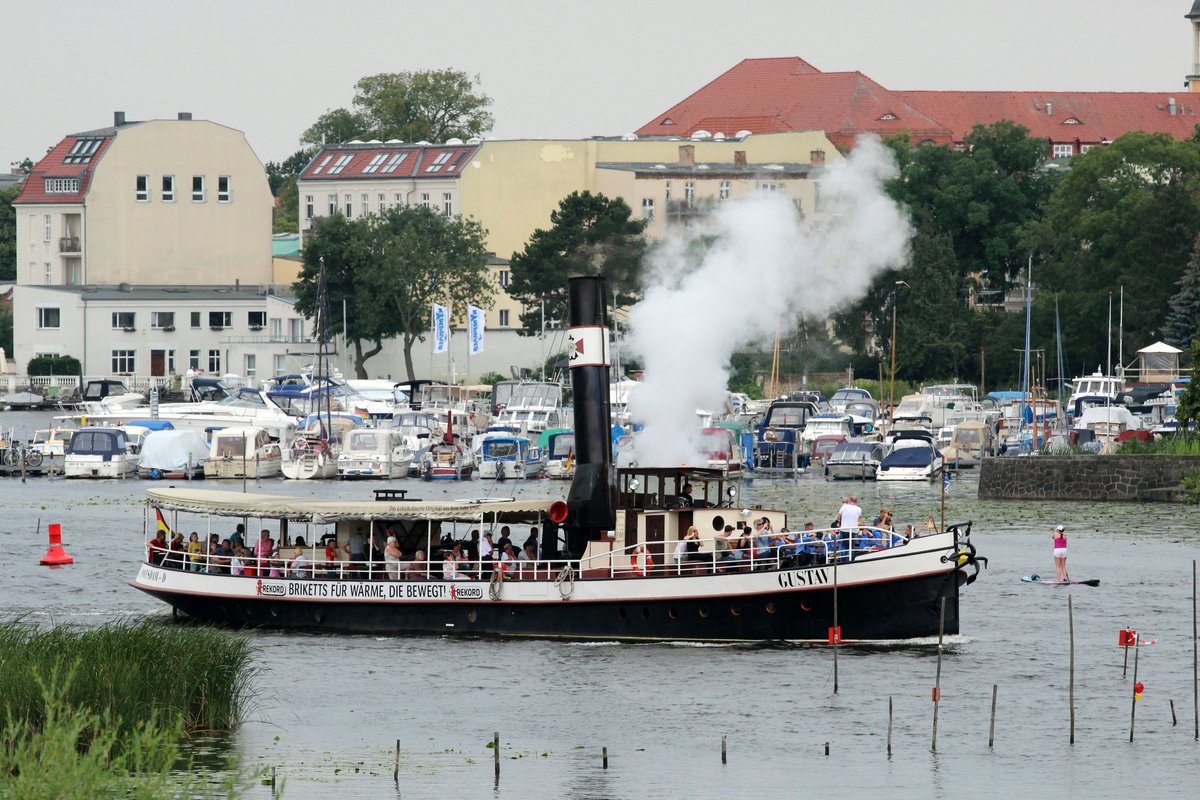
x,y
56,556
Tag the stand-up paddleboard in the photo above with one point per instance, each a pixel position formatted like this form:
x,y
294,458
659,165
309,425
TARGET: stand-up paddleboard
x,y
1069,582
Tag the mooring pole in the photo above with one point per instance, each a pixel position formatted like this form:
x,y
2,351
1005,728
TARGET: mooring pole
x,y
496,753
837,634
724,749
1195,677
396,771
992,724
889,739
1071,692
937,683
1133,690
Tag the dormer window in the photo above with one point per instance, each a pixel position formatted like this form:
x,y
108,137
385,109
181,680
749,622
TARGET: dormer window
x,y
888,117
1071,121
667,121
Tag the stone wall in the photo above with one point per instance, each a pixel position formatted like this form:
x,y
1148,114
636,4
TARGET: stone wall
x,y
1109,478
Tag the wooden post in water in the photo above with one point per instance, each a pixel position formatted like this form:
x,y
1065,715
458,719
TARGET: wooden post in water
x,y
496,752
724,749
837,634
1071,691
827,748
1133,690
604,756
396,771
937,683
992,724
889,741
1174,719
1195,678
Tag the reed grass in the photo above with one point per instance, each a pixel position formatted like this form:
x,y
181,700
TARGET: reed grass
x,y
127,673
1182,444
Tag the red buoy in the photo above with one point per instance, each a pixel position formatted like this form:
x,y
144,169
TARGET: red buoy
x,y
56,556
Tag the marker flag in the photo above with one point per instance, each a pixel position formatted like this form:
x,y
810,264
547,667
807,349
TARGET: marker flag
x,y
475,321
441,328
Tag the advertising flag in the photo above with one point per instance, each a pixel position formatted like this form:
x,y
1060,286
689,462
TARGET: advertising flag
x,y
441,328
475,320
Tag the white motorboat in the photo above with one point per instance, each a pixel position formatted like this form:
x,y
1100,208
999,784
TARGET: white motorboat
x,y
374,453
102,452
171,454
857,460
913,458
242,452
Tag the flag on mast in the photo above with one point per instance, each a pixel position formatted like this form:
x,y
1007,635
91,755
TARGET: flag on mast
x,y
441,328
475,323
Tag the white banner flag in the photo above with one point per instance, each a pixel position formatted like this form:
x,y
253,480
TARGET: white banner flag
x,y
475,320
441,328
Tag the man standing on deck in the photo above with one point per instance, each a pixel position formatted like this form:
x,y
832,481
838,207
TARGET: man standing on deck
x,y
849,515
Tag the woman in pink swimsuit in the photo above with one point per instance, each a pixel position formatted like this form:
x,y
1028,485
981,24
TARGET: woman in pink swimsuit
x,y
1060,554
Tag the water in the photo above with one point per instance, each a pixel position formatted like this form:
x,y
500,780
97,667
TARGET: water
x,y
329,709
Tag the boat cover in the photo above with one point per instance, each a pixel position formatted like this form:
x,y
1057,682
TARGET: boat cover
x,y
909,457
173,450
238,504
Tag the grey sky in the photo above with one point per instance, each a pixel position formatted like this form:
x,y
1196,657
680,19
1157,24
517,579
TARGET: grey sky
x,y
564,68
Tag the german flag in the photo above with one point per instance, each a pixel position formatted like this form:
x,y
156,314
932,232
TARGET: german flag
x,y
162,526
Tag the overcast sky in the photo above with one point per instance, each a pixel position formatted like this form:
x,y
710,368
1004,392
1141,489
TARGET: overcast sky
x,y
556,68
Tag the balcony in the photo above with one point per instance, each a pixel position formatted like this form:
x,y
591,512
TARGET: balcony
x,y
69,244
691,208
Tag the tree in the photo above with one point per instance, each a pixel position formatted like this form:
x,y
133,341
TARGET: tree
x,y
8,234
426,105
389,270
1188,408
589,235
6,330
1184,318
290,167
286,214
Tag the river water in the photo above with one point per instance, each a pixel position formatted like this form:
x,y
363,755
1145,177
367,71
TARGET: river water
x,y
329,709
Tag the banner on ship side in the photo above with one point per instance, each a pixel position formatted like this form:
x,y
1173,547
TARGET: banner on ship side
x,y
475,320
441,328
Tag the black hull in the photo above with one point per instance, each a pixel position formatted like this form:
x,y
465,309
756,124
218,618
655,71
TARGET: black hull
x,y
897,609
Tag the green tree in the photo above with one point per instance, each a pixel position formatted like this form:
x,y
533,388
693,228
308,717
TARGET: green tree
x,y
1183,320
290,167
286,214
425,105
8,234
589,234
6,329
1126,215
389,269
1188,408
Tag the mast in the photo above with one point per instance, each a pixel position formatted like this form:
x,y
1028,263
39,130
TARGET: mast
x,y
323,333
1062,408
1025,398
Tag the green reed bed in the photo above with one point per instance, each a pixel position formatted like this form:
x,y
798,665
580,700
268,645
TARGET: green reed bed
x,y
1186,444
126,673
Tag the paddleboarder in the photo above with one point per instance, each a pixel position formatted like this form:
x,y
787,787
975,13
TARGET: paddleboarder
x,y
1060,554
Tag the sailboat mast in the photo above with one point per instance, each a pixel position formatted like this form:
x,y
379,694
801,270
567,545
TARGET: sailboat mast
x,y
1025,365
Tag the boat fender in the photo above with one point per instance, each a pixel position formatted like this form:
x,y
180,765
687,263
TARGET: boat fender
x,y
566,582
494,587
643,562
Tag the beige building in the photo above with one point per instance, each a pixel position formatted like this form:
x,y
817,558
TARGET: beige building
x,y
177,201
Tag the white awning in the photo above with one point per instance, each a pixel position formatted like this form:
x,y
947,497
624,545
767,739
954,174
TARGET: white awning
x,y
1160,347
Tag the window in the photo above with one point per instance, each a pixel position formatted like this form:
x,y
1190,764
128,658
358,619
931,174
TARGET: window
x,y
123,362
296,329
256,319
220,319
280,363
321,166
276,329
82,151
162,319
424,201
504,318
816,195
308,206
399,200
251,365
769,186
170,361
504,275
197,188
142,189
48,273
124,320
73,271
689,193
333,209
349,200
214,362
1083,148
668,192
382,202
48,318
448,204
223,189
366,204
395,161
647,208
46,228
62,185
376,161
723,190
340,165
168,188
195,319
1063,150
439,162
193,359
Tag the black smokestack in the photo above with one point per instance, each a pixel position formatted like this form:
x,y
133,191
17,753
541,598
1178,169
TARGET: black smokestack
x,y
590,503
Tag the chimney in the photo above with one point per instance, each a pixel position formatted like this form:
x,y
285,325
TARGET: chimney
x,y
118,119
816,158
184,115
687,155
1049,109
739,158
1171,106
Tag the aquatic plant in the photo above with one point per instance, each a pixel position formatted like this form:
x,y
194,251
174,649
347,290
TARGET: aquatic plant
x,y
128,673
1182,444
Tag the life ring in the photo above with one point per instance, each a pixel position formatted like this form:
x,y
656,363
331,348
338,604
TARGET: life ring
x,y
643,562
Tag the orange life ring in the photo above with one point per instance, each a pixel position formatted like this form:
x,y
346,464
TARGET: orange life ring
x,y
642,561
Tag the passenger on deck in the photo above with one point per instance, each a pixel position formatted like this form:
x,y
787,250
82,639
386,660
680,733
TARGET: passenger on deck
x,y
721,543
417,569
884,520
684,498
450,567
849,516
764,552
158,549
909,533
224,555
238,537
195,549
298,568
391,558
505,538
263,547
356,548
532,541
237,564
178,550
687,551
485,555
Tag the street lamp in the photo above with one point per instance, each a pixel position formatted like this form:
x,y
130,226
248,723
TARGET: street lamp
x,y
892,388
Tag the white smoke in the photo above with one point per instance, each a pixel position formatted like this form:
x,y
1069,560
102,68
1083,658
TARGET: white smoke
x,y
765,267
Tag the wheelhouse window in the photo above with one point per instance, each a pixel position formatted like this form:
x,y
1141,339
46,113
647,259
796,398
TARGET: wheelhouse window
x,y
49,318
123,319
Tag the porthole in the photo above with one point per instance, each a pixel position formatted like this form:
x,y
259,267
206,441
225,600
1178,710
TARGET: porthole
x,y
472,615
735,610
672,613
621,613
718,523
805,605
704,612
770,607
645,613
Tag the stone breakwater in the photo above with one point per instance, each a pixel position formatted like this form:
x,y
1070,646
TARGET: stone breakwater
x,y
1107,478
